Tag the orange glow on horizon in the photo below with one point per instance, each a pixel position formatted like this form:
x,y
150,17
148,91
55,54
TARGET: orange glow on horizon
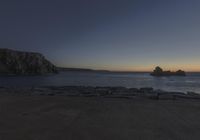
x,y
151,68
195,67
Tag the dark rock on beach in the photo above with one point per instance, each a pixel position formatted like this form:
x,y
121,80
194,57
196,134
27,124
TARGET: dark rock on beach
x,y
146,90
102,92
18,62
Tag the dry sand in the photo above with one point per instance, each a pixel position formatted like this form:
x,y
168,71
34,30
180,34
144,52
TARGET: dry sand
x,y
96,118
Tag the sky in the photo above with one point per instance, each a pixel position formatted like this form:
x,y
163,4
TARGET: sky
x,y
121,35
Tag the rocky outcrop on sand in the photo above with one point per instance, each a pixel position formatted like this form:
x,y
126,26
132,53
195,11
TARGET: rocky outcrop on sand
x,y
159,72
99,92
18,62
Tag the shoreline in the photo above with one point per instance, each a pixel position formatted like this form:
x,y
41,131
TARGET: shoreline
x,y
89,91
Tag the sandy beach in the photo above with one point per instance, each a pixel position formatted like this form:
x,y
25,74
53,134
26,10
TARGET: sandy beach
x,y
27,117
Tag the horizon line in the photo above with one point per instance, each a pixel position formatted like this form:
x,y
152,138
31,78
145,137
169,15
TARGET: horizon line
x,y
125,71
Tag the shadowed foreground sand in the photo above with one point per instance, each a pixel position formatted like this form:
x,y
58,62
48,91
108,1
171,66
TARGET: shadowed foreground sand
x,y
95,118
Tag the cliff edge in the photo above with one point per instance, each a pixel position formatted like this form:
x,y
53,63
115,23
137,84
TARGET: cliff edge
x,y
18,62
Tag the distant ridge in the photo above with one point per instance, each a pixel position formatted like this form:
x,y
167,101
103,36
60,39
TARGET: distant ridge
x,y
93,70
81,69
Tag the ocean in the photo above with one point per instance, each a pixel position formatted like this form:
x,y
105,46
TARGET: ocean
x,y
131,80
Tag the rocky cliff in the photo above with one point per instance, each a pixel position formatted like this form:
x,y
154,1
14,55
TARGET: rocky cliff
x,y
17,62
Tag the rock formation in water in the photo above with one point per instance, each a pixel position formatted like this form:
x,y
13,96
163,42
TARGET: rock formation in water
x,y
18,62
159,72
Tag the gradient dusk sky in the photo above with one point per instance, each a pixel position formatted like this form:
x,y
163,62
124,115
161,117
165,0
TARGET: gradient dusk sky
x,y
105,34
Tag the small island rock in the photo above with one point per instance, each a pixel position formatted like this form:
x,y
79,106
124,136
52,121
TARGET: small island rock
x,y
159,72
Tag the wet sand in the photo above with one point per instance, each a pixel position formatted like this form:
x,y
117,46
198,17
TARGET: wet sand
x,y
96,118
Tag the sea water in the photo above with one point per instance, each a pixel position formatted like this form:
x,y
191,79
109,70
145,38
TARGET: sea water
x,y
191,82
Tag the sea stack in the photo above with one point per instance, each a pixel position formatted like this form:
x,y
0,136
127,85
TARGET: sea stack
x,y
159,72
18,62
